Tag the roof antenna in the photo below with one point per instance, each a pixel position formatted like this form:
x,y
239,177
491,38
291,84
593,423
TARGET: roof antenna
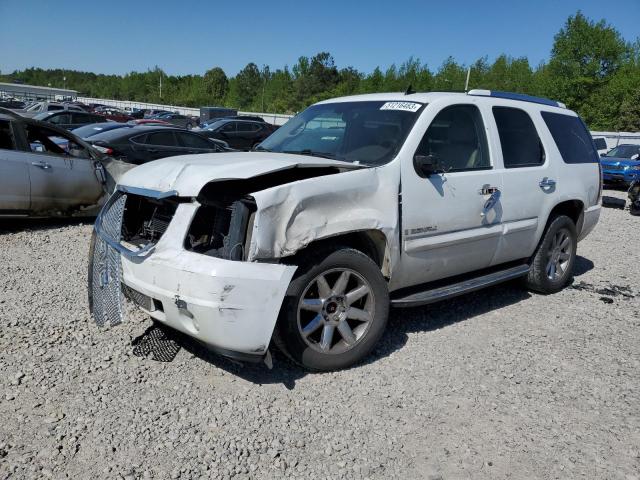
x,y
466,84
409,90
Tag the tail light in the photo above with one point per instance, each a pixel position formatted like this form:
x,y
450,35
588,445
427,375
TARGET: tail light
x,y
600,183
105,150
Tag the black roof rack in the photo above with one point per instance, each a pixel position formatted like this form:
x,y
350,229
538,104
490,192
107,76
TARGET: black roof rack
x,y
516,96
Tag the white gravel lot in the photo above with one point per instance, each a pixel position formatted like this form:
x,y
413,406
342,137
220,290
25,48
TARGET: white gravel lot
x,y
498,384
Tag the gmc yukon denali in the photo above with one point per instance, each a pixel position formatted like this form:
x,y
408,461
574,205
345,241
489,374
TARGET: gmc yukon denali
x,y
355,205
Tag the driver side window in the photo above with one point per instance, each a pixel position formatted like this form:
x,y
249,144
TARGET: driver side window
x,y
43,140
456,139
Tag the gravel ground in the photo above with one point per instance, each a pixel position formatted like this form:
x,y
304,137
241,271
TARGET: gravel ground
x,y
498,384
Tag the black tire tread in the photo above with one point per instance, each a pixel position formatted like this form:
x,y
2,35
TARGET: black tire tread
x,y
536,280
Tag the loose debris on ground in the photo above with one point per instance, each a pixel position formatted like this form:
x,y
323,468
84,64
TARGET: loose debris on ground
x,y
498,384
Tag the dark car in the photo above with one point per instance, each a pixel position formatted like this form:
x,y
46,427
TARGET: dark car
x,y
137,113
115,114
12,103
176,119
92,129
239,134
69,119
154,112
141,144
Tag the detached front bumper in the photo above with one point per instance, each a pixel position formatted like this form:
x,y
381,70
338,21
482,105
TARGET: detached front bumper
x,y
232,306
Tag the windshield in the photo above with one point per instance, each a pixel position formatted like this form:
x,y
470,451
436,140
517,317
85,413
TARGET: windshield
x,y
624,151
370,133
42,116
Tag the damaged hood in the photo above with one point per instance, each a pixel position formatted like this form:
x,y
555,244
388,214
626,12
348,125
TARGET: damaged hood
x,y
187,174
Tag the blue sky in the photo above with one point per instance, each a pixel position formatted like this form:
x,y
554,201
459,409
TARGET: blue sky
x,y
118,36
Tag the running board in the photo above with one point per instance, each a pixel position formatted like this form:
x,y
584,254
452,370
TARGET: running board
x,y
465,286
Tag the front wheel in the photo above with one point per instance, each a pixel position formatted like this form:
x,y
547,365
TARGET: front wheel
x,y
335,311
552,264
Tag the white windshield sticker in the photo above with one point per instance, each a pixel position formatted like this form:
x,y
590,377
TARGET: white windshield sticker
x,y
404,106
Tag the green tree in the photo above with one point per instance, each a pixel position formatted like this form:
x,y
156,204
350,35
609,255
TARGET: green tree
x,y
584,57
215,84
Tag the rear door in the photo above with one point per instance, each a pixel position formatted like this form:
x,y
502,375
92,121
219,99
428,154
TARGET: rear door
x,y
228,133
194,143
14,172
60,179
529,178
246,134
159,144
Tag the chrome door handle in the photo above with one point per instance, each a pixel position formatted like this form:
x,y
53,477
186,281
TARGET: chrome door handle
x,y
547,183
42,165
491,202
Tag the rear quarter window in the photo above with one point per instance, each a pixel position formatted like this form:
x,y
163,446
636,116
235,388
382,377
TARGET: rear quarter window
x,y
571,137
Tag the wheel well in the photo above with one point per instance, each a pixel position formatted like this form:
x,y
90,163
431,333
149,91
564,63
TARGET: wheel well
x,y
571,208
372,243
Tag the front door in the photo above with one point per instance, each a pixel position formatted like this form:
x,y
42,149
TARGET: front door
x,y
14,173
60,179
451,221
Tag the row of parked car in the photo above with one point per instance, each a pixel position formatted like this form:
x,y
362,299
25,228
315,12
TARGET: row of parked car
x,y
62,158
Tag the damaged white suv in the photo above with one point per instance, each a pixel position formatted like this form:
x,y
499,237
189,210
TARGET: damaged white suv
x,y
356,204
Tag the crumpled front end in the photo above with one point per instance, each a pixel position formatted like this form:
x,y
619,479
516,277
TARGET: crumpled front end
x,y
146,250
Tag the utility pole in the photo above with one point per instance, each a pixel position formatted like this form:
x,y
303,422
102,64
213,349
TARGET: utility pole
x,y
160,83
466,84
265,74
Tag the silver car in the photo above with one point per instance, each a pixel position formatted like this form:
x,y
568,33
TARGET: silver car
x,y
47,171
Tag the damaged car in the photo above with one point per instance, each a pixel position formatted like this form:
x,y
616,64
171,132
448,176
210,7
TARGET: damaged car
x,y
355,205
47,171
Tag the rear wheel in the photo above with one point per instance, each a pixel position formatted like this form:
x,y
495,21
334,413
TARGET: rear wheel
x,y
335,311
552,264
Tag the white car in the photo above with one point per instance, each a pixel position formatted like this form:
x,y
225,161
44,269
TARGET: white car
x,y
356,204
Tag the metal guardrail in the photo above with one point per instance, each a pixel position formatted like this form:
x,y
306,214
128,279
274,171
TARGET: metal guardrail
x,y
275,118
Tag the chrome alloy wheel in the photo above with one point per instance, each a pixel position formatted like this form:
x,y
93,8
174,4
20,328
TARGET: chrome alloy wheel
x,y
559,255
333,319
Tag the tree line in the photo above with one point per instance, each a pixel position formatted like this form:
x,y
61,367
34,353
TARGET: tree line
x,y
592,69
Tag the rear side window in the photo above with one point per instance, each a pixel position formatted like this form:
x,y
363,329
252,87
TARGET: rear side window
x,y
601,143
161,138
62,119
571,137
521,145
193,141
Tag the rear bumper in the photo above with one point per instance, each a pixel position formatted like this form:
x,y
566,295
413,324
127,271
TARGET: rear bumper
x,y
590,219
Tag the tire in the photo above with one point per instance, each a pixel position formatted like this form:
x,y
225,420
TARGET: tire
x,y
552,263
343,328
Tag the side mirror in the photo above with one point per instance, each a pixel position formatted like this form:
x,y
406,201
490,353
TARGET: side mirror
x,y
426,165
604,154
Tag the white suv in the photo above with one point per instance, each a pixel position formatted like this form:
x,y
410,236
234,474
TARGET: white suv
x,y
356,204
